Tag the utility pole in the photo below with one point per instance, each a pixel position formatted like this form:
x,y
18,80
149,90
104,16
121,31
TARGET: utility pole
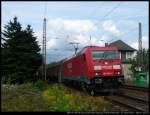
x,y
44,50
140,47
44,45
75,44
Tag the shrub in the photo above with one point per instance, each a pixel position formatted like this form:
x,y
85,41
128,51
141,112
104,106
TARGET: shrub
x,y
11,78
59,99
14,78
40,85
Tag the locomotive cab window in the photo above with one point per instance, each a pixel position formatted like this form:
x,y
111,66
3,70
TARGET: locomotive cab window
x,y
107,54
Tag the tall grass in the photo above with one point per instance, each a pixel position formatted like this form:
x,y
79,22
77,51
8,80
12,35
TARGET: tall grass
x,y
21,98
60,99
53,97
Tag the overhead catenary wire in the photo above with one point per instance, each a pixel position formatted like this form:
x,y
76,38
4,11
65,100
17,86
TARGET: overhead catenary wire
x,y
112,10
132,30
108,13
94,11
125,18
75,44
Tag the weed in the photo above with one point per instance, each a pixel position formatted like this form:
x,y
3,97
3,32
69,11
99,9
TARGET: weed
x,y
55,97
40,85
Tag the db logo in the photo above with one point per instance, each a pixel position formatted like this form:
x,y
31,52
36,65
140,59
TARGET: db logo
x,y
69,65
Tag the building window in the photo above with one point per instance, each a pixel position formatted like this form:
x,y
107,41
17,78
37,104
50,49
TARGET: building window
x,y
129,55
120,54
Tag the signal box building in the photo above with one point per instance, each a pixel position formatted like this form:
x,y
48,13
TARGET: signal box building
x,y
126,54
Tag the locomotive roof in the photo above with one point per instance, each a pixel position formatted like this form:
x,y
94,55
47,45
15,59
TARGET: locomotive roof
x,y
103,48
91,47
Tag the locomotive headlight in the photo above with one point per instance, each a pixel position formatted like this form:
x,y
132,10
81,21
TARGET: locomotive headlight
x,y
96,73
116,67
97,67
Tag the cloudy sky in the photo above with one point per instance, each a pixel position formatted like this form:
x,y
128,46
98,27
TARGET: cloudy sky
x,y
77,21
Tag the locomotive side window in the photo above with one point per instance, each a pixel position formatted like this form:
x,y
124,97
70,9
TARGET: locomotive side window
x,y
107,54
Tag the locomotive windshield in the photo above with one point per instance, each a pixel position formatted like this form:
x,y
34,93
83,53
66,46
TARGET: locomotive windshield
x,y
107,54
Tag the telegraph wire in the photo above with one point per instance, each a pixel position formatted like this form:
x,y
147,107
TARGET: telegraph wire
x,y
96,9
108,13
132,30
112,10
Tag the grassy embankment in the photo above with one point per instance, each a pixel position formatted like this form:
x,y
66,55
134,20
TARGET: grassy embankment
x,y
54,97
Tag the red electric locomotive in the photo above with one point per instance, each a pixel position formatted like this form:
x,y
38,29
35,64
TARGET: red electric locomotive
x,y
95,68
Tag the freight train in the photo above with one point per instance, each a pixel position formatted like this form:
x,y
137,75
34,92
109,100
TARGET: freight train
x,y
95,68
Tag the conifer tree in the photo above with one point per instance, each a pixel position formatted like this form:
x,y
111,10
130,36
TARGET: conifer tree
x,y
20,53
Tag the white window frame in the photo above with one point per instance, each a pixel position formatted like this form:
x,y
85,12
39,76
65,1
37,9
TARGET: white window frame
x,y
129,55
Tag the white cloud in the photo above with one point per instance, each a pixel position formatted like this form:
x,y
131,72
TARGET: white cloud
x,y
51,44
2,28
135,45
106,37
78,31
110,27
145,43
38,34
79,26
68,31
71,26
110,32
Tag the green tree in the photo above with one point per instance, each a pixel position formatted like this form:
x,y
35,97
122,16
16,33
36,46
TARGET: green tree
x,y
135,61
20,53
146,60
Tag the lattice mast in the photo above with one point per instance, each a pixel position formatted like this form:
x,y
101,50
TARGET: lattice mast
x,y
140,47
44,50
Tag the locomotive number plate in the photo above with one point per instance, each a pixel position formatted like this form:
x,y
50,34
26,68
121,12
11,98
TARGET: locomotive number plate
x,y
107,73
107,67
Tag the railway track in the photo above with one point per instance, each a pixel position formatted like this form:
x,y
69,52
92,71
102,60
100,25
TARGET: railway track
x,y
136,98
136,88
